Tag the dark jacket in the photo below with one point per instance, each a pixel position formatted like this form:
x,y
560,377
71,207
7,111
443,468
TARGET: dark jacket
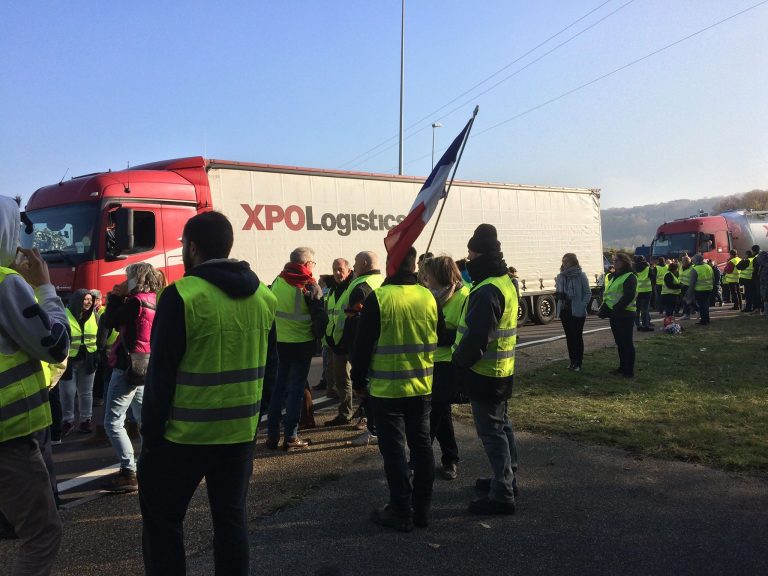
x,y
370,330
485,306
121,312
169,341
671,281
354,307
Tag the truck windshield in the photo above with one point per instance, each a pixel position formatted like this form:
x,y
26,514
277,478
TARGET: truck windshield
x,y
674,244
63,233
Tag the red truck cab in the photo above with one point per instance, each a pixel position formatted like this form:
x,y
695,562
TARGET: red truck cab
x,y
90,228
709,236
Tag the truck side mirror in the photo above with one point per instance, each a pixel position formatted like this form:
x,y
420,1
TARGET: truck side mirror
x,y
123,231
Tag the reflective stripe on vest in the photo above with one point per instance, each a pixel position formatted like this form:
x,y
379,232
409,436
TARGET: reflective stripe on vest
x,y
665,290
292,319
85,337
733,277
704,277
220,378
685,276
24,406
644,281
373,280
452,313
616,290
661,272
403,358
499,358
746,274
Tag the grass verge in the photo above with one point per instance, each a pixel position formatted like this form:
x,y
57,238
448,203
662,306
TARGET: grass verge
x,y
701,396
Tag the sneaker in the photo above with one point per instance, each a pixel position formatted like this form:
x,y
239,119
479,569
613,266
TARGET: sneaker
x,y
338,421
66,428
389,519
122,482
486,507
366,439
576,368
449,471
362,424
55,441
85,427
484,485
295,444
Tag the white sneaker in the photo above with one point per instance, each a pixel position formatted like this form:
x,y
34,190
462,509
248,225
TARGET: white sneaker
x,y
362,424
366,439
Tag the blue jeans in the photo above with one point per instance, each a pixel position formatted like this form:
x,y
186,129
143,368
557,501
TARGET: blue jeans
x,y
400,421
495,431
292,372
642,315
120,397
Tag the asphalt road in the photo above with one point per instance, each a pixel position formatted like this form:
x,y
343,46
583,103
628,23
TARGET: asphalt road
x,y
81,469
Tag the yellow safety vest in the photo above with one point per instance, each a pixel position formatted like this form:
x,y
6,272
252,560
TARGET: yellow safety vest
x,y
452,314
24,406
644,281
733,277
403,358
661,271
685,276
221,376
85,337
746,274
292,319
499,358
665,290
704,278
340,317
616,290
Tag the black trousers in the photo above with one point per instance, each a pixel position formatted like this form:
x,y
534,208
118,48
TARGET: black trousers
x,y
441,428
735,294
623,329
749,294
400,421
168,476
669,301
573,326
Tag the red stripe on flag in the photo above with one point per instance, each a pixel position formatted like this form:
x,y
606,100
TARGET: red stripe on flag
x,y
400,238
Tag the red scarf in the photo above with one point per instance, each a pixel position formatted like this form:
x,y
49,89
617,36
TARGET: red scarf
x,y
297,275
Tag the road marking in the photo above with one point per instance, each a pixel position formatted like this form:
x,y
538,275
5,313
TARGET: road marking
x,y
554,338
87,477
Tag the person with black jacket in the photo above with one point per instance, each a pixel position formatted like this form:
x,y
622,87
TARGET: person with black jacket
x,y
213,346
337,356
619,306
484,356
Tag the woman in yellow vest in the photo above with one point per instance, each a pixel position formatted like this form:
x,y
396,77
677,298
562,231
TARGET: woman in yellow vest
x,y
670,290
442,277
77,381
686,267
619,306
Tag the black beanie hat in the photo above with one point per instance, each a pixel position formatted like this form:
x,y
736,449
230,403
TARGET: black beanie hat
x,y
484,240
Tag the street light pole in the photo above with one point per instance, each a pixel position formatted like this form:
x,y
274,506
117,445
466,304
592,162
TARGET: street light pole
x,y
402,82
434,125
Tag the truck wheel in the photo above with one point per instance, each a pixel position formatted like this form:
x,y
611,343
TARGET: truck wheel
x,y
544,311
522,311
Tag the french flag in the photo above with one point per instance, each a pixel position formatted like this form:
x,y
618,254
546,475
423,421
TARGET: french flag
x,y
400,238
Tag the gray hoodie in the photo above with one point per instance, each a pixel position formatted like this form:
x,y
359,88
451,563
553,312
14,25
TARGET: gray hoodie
x,y
39,326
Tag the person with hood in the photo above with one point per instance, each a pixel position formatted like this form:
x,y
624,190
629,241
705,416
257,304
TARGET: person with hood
x,y
442,277
573,296
670,290
619,306
484,353
78,379
34,335
300,320
213,348
392,364
644,290
131,310
702,284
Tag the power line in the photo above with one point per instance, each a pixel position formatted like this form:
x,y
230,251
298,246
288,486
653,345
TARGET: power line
x,y
499,71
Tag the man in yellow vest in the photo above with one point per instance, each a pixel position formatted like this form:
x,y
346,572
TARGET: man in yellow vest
x,y
732,280
34,333
346,319
746,271
342,276
702,284
213,347
300,320
484,353
644,290
393,360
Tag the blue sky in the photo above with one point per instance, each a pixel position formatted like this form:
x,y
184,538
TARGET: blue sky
x,y
89,86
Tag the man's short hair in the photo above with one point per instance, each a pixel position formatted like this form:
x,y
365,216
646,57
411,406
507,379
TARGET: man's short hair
x,y
302,255
212,234
409,262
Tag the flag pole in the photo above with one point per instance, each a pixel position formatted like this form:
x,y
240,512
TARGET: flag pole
x,y
455,167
